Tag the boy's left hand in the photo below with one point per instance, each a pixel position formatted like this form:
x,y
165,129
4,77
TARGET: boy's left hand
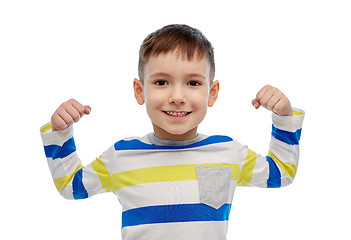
x,y
274,100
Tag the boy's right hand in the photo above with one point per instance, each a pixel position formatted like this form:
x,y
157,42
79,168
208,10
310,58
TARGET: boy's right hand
x,y
68,113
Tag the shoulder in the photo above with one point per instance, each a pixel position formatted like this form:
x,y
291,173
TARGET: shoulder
x,y
132,143
213,139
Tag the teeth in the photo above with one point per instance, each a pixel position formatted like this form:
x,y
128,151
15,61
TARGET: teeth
x,y
177,114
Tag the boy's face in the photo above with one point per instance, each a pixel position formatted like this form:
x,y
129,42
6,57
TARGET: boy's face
x,y
176,93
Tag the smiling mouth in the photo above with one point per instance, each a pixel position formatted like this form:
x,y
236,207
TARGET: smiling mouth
x,y
176,114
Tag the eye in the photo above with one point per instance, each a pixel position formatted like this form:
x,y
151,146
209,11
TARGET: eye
x,y
194,83
161,82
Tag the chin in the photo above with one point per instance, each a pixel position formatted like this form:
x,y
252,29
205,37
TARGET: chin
x,y
183,133
178,131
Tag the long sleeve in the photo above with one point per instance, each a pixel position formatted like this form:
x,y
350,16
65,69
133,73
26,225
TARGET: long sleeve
x,y
279,167
71,178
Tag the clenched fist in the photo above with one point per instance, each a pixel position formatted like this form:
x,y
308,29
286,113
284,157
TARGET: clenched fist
x,y
68,113
274,100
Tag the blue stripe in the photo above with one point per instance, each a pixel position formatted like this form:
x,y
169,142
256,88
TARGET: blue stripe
x,y
56,151
136,144
291,138
79,191
174,213
274,180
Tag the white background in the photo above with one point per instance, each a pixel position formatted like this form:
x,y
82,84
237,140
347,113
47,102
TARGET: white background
x,y
51,51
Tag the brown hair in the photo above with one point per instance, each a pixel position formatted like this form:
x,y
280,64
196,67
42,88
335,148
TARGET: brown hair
x,y
186,41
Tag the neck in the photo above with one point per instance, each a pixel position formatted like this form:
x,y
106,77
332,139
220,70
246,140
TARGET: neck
x,y
162,134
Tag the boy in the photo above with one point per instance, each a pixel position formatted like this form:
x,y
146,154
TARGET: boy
x,y
175,183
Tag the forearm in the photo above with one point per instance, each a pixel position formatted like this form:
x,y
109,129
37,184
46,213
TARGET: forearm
x,y
279,167
71,178
284,145
63,161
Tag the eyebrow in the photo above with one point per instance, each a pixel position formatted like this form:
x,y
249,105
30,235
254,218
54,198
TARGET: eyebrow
x,y
159,74
196,75
190,75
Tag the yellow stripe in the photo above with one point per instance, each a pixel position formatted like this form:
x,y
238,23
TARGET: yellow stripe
x,y
288,168
102,172
62,182
247,169
164,174
296,113
46,128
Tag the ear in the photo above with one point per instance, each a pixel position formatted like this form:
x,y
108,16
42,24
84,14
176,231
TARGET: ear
x,y
138,91
213,95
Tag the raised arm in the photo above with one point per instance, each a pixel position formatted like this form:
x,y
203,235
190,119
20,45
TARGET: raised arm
x,y
279,167
71,178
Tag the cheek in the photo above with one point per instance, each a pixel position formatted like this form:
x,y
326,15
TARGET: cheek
x,y
200,99
153,100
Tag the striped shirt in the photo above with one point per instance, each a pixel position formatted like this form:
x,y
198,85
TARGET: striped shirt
x,y
174,189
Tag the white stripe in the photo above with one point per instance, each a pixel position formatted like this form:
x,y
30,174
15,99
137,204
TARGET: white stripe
x,y
284,152
159,193
57,137
91,181
175,231
242,153
286,180
67,192
62,167
260,172
135,159
163,193
109,159
259,184
287,123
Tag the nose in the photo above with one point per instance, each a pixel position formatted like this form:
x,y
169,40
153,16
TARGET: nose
x,y
177,96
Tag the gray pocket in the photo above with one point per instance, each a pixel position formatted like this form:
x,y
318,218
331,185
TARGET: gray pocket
x,y
214,183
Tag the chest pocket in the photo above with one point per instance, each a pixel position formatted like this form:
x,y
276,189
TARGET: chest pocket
x,y
214,183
